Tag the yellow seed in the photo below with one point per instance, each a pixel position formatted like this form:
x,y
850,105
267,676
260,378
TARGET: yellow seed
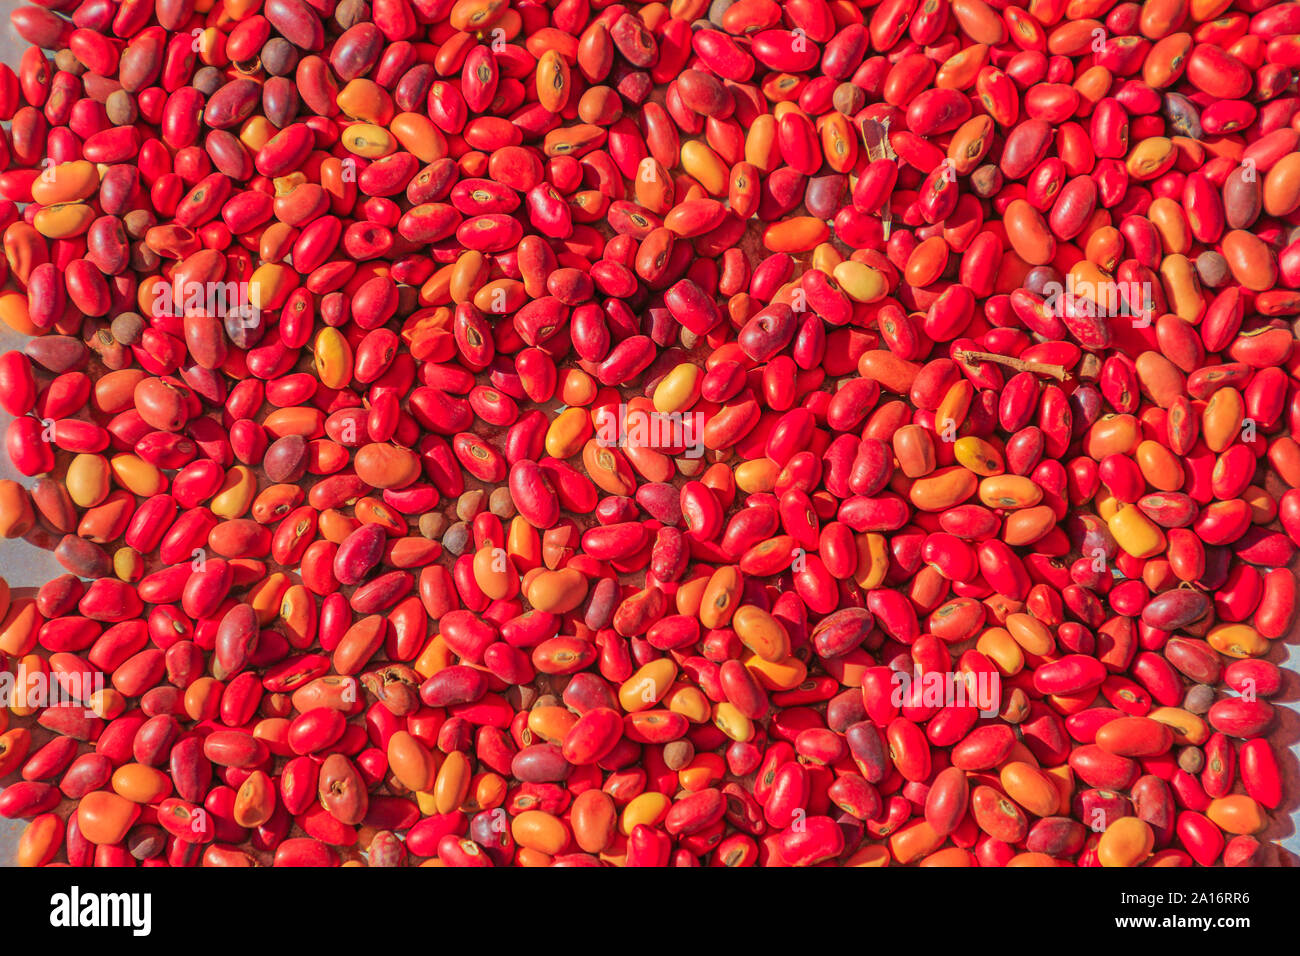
x,y
1137,534
728,718
860,282
679,389
368,141
333,358
705,167
568,432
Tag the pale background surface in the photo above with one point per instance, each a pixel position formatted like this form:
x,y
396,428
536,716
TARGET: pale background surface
x,y
20,563
26,566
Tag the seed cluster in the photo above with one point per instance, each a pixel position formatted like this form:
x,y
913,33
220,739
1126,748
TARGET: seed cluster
x,y
503,432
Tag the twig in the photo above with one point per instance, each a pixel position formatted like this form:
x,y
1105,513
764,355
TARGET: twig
x,y
1057,372
875,136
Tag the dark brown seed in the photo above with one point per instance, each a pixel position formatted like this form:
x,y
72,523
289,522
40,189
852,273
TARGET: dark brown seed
x,y
501,504
279,56
455,538
208,80
678,753
121,109
128,327
1191,759
432,524
470,505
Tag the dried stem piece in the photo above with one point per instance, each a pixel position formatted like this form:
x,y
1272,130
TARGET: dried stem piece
x,y
1057,372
